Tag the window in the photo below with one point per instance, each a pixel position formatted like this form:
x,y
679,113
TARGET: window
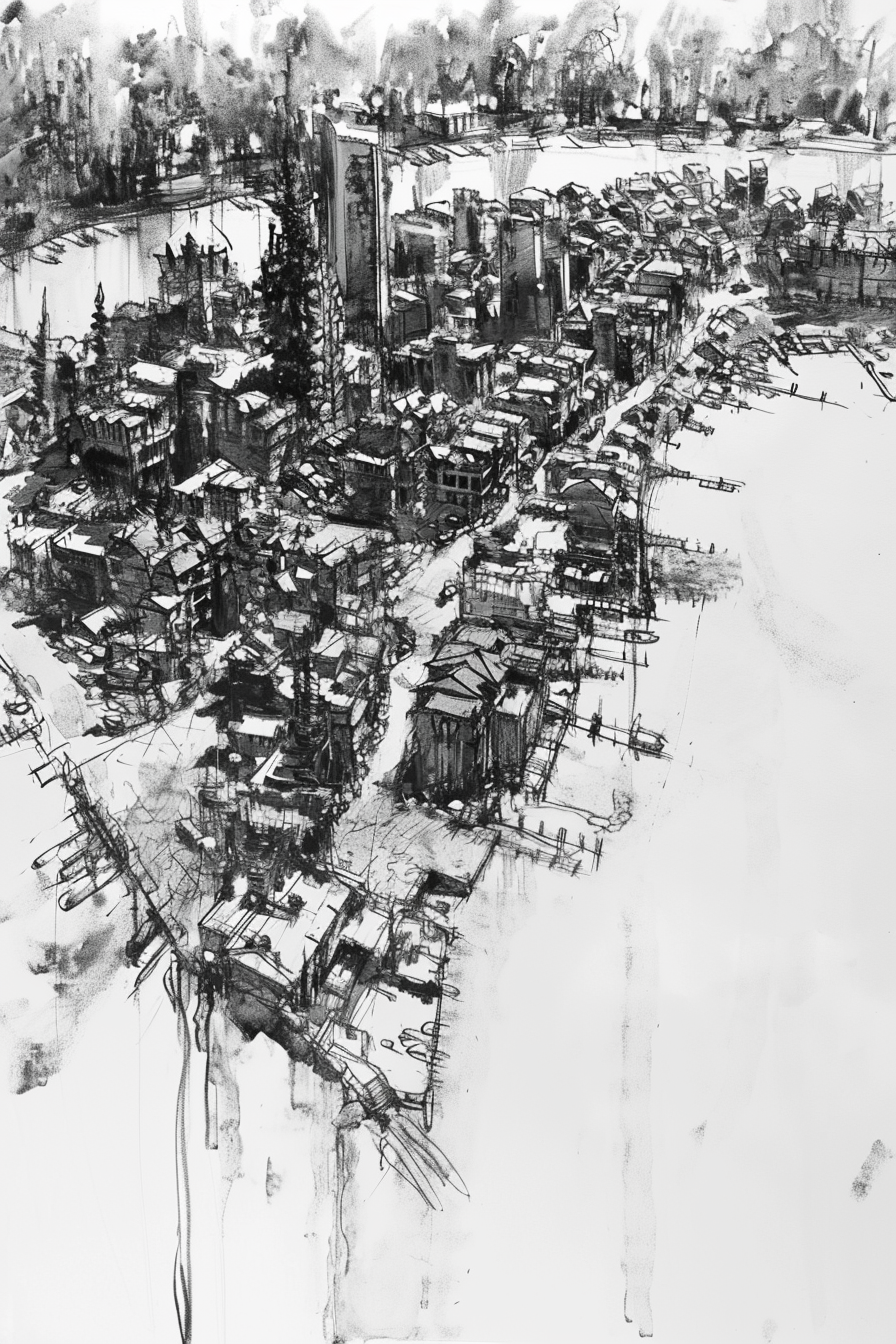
x,y
462,482
475,483
449,478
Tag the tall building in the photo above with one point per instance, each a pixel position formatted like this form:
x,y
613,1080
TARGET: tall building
x,y
353,223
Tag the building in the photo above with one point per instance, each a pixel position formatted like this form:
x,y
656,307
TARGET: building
x,y
353,219
254,433
449,121
503,586
217,492
127,446
478,714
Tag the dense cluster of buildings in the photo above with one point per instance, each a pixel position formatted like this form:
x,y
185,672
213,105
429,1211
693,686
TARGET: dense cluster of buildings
x,y
188,535
836,251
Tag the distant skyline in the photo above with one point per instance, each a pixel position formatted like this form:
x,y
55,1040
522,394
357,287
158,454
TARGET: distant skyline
x,y
743,24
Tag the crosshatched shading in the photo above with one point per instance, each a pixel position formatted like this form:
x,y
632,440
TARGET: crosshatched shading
x,y
338,457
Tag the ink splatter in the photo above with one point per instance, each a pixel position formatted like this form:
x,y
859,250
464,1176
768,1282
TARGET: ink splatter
x,y
879,1154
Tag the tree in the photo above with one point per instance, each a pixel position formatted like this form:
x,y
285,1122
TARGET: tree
x,y
37,363
289,275
99,326
67,382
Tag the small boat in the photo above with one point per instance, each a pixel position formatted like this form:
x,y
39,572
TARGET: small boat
x,y
91,885
81,856
645,740
53,852
727,487
46,773
76,870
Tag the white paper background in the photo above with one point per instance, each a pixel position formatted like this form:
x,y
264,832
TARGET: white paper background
x,y
754,892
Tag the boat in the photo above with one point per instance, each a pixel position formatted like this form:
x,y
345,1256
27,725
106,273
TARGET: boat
x,y
69,863
645,740
50,854
46,773
91,885
76,869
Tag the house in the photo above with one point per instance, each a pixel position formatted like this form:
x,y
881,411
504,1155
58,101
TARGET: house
x,y
502,585
535,270
255,735
478,714
259,678
79,561
254,433
784,212
30,551
218,492
132,552
661,278
758,174
409,316
196,279
15,418
549,403
145,565
348,561
699,181
422,242
127,446
131,331
737,186
367,459
277,955
450,120
185,570
590,512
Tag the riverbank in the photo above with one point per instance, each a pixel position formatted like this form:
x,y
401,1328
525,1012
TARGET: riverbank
x,y
190,190
124,261
662,1082
674,1065
620,1046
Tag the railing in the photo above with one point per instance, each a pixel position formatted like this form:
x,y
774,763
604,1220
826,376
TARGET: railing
x,y
572,854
